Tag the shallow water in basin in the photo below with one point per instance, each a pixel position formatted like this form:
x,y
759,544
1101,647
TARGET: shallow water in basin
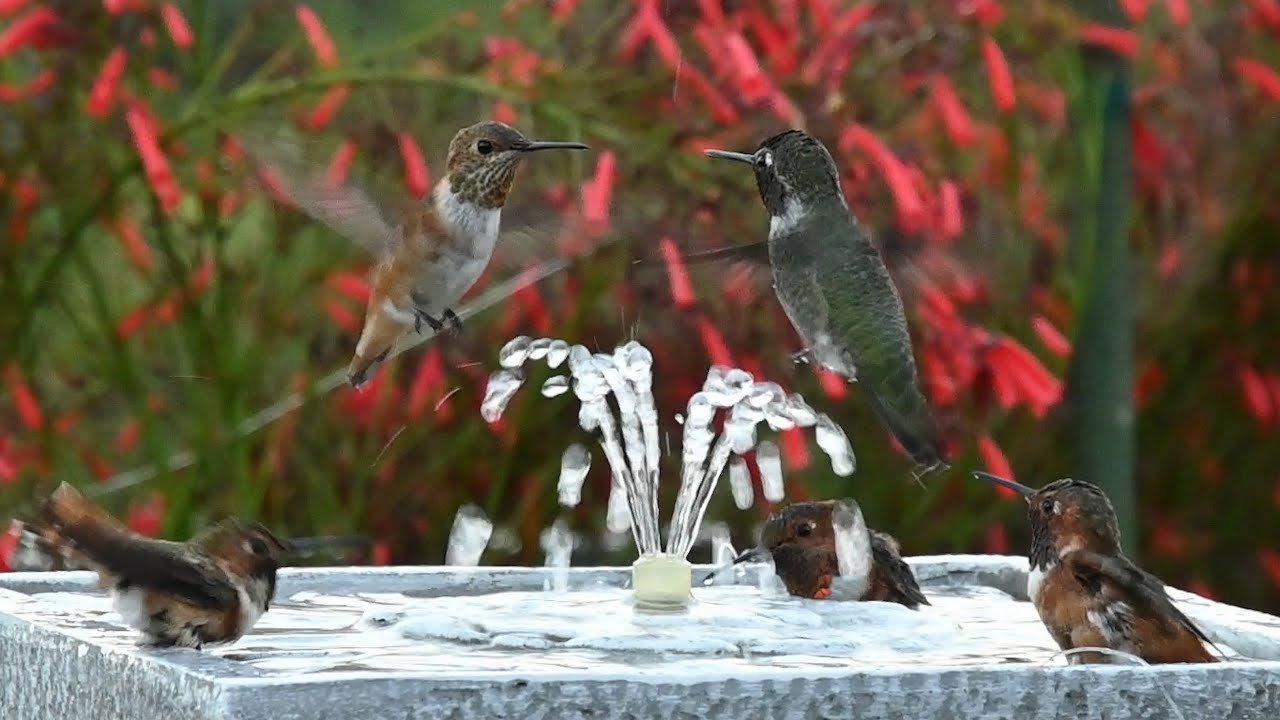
x,y
598,630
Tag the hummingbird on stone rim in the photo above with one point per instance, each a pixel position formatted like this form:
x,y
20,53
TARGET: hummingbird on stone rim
x,y
209,590
426,263
1087,593
835,288
803,540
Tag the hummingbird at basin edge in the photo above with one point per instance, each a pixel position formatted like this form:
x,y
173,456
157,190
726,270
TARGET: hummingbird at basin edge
x,y
209,590
1087,593
427,262
835,289
804,540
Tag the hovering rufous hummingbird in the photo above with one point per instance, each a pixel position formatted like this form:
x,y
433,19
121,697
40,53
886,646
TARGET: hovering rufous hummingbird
x,y
426,263
802,538
207,591
1087,593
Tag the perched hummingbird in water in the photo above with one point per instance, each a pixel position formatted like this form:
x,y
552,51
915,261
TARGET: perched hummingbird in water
x,y
429,261
207,591
802,540
835,288
1087,593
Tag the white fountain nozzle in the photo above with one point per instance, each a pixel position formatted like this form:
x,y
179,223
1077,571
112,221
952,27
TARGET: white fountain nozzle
x,y
662,582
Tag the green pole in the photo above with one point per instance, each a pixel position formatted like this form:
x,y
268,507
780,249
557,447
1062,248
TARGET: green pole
x,y
1100,377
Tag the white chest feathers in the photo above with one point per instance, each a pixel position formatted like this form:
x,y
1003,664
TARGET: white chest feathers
x,y
1035,578
475,228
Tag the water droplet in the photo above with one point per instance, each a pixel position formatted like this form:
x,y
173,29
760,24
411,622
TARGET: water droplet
x,y
515,352
538,348
740,484
468,537
502,386
853,548
557,544
800,411
618,515
835,444
769,460
555,386
574,466
556,353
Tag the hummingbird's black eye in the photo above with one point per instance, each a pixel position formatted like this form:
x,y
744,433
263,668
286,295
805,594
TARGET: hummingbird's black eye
x,y
1047,506
257,546
804,529
484,147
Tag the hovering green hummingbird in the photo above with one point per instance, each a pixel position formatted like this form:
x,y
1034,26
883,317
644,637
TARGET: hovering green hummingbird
x,y
835,288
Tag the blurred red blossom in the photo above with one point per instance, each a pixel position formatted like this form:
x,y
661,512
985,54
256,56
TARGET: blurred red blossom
x,y
30,29
328,106
154,162
102,96
1266,80
416,179
175,23
147,517
321,44
994,460
677,274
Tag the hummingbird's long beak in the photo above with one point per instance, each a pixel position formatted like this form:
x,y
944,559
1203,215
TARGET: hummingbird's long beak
x,y
318,543
535,146
1025,491
730,155
744,556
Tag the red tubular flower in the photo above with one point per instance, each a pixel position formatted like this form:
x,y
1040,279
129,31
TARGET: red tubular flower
x,y
147,518
128,436
133,244
597,193
176,25
722,111
352,285
162,80
833,384
416,179
677,274
27,30
1269,561
116,7
322,114
772,40
24,401
955,118
321,44
1179,12
1121,42
1015,370
1052,339
159,175
951,220
1259,75
340,163
911,210
427,382
1257,397
835,36
342,316
1136,10
998,76
132,322
36,85
9,7
8,546
714,343
993,458
794,449
503,112
1267,12
750,79
102,95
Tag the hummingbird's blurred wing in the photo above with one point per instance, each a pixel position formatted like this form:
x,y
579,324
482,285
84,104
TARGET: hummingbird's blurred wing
x,y
897,573
1118,581
287,166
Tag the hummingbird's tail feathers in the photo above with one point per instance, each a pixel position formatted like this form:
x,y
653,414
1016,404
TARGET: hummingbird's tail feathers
x,y
79,529
916,430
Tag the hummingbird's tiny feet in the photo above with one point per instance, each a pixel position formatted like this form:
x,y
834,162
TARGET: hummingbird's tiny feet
x,y
802,356
824,588
454,321
420,316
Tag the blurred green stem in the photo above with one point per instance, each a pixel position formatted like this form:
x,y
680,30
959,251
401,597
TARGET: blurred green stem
x,y
1100,379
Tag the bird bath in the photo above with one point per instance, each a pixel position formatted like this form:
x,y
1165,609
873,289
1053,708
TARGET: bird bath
x,y
560,642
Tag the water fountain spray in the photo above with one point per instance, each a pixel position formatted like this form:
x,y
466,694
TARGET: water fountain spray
x,y
628,434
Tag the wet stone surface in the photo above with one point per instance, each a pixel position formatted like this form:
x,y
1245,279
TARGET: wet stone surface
x,y
488,642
